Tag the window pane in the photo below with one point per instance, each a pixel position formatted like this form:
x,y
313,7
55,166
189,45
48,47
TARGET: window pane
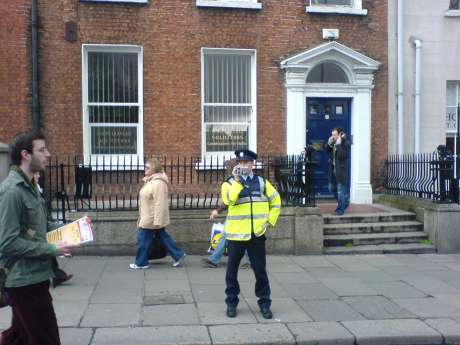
x,y
452,93
224,138
113,140
112,77
113,114
228,114
454,4
227,78
332,2
327,73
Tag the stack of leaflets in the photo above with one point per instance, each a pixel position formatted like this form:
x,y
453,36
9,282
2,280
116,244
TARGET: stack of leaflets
x,y
73,234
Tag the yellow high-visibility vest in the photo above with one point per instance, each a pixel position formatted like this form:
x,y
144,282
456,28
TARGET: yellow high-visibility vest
x,y
250,210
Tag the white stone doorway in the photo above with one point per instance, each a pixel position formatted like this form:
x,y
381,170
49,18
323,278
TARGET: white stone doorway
x,y
335,71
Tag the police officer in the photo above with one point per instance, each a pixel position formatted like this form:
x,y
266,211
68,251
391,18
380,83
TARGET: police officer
x,y
253,205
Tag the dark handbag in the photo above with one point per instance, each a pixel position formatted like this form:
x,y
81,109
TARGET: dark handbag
x,y
157,249
3,275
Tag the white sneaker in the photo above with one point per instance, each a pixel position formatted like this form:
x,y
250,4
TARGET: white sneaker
x,y
179,261
135,267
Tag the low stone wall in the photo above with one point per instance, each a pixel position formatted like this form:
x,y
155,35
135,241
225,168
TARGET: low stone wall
x,y
299,231
440,221
4,161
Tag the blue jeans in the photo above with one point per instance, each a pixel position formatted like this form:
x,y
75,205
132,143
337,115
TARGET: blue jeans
x,y
144,242
341,194
216,256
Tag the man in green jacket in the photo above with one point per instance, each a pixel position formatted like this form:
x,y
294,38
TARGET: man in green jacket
x,y
23,227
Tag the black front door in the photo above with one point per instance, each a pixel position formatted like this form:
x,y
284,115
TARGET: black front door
x,y
323,114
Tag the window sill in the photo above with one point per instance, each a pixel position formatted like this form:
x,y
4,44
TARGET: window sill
x,y
119,1
336,10
452,13
229,4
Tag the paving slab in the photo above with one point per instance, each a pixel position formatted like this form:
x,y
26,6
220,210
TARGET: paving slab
x,y
312,291
428,307
173,335
321,333
377,308
430,286
75,336
117,295
251,334
155,287
293,278
209,293
348,287
5,318
284,310
112,315
207,276
309,261
214,314
449,329
170,315
70,313
327,272
391,332
372,276
396,289
70,292
329,310
164,299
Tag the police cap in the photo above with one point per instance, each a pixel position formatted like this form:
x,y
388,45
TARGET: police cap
x,y
245,155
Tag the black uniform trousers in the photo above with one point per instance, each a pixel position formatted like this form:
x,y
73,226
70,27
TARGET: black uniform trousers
x,y
256,251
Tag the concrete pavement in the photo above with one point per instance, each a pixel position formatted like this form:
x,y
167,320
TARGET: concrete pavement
x,y
341,300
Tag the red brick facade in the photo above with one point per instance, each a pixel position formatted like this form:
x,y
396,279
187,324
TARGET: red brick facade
x,y
172,33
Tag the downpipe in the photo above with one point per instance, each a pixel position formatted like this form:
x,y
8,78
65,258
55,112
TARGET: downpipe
x,y
36,115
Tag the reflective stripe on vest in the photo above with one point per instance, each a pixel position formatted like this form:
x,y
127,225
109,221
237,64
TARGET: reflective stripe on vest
x,y
254,216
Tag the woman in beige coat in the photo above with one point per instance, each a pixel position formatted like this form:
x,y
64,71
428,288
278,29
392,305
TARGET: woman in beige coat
x,y
154,216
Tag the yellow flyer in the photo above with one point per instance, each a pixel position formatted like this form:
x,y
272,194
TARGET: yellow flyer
x,y
74,234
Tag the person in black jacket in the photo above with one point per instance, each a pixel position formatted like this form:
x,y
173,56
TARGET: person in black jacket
x,y
338,149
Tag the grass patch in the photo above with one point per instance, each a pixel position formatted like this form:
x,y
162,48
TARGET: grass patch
x,y
349,245
426,242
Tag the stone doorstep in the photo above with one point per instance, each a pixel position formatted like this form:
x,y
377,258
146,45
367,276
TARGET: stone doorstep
x,y
379,238
404,248
369,217
348,228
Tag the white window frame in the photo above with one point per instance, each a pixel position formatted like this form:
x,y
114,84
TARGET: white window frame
x,y
252,136
355,9
112,161
243,4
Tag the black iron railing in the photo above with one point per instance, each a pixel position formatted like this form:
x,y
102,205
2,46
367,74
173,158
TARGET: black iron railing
x,y
73,184
427,176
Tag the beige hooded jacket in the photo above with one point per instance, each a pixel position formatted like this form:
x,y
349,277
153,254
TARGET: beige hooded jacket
x,y
154,202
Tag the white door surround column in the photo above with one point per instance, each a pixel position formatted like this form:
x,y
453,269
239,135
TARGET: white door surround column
x,y
360,71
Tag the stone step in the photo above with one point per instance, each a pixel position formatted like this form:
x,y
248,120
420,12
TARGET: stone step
x,y
359,228
369,217
374,239
409,248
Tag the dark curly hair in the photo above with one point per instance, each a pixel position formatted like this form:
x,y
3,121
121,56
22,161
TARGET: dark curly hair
x,y
23,141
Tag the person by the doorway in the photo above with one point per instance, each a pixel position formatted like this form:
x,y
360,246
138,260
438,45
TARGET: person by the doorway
x,y
253,205
154,216
338,149
23,227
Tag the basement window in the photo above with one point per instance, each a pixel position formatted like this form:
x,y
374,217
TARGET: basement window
x,y
454,9
347,7
235,4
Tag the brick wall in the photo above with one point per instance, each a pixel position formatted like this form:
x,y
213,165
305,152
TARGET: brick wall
x,y
172,32
15,74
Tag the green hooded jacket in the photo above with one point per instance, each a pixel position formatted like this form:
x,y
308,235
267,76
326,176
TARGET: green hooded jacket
x,y
23,227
